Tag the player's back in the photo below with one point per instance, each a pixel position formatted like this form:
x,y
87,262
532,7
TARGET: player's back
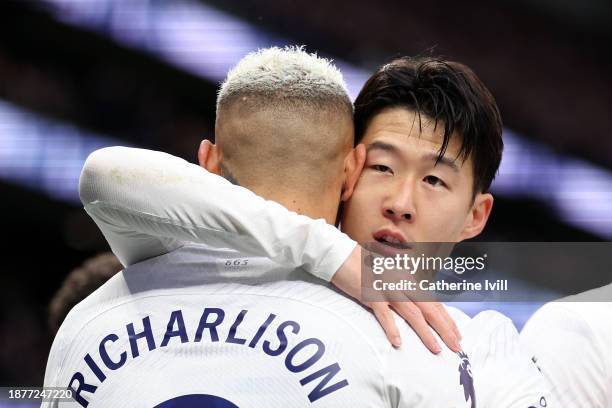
x,y
200,325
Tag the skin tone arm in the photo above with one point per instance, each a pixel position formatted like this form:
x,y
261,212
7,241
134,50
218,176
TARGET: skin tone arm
x,y
147,203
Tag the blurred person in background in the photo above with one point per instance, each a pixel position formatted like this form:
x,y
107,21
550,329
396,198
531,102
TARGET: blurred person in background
x,y
163,330
79,284
433,135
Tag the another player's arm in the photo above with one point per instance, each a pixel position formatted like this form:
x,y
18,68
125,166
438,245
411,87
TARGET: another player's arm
x,y
146,203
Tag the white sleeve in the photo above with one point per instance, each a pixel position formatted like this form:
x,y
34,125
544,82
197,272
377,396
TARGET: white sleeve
x,y
570,354
147,202
504,374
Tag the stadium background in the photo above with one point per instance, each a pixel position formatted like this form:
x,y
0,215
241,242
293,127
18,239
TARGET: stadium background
x,y
77,75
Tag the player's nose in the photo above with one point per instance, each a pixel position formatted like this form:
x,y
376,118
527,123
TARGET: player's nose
x,y
399,205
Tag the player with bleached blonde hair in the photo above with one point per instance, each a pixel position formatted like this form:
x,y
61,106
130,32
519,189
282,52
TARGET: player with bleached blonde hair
x,y
206,324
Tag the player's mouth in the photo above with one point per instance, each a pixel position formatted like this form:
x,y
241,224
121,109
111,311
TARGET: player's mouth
x,y
391,238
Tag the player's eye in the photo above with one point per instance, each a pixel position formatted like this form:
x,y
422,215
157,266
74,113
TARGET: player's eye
x,y
434,181
382,168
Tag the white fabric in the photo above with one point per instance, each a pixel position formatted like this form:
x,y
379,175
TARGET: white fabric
x,y
164,199
194,278
504,375
571,342
122,196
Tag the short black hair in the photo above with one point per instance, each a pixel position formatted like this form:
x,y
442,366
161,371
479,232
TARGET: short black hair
x,y
79,284
447,92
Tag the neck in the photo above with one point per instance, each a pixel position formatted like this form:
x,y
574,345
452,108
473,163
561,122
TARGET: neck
x,y
316,205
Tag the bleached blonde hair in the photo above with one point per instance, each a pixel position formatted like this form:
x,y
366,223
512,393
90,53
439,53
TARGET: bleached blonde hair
x,y
284,119
288,73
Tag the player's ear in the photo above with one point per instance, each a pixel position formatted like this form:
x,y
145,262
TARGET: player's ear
x,y
209,157
353,165
477,216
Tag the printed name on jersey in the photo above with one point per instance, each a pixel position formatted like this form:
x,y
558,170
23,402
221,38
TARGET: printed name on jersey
x,y
327,379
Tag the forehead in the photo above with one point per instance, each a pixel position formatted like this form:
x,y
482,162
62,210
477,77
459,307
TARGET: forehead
x,y
405,130
398,129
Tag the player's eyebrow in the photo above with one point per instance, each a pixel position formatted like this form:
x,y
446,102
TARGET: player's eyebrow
x,y
443,160
387,147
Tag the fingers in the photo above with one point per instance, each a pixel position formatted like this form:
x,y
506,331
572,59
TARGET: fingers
x,y
384,315
438,318
422,317
414,317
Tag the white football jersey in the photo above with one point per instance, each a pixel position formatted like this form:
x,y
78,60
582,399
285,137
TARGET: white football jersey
x,y
504,375
571,342
201,325
147,203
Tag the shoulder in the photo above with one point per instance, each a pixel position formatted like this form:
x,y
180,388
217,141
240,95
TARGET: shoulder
x,y
569,342
576,319
84,313
490,328
575,329
417,378
504,374
492,343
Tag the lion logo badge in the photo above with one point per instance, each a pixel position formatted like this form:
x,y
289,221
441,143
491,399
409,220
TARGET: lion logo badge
x,y
466,380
